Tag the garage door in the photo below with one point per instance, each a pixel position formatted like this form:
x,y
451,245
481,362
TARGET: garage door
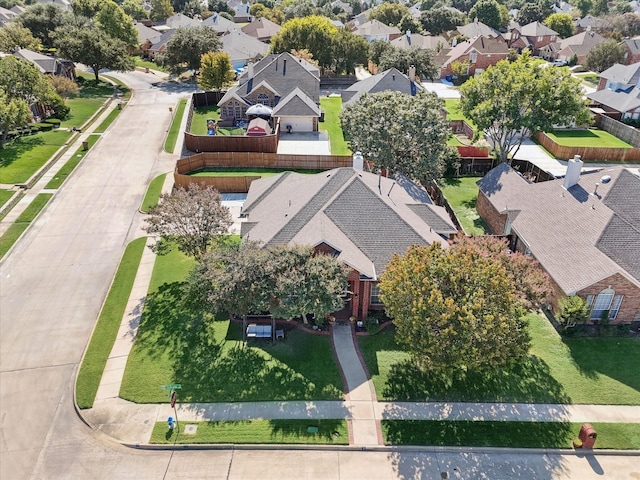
x,y
298,124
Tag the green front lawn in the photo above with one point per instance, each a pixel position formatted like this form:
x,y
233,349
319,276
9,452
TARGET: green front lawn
x,y
623,436
462,193
107,326
81,110
148,64
329,432
5,196
589,79
179,343
332,107
153,193
573,370
586,138
22,157
174,129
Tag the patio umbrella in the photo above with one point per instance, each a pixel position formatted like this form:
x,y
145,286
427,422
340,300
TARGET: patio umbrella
x,y
259,110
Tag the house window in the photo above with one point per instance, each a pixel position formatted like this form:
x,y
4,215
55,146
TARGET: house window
x,y
539,39
263,98
375,294
238,111
605,301
473,57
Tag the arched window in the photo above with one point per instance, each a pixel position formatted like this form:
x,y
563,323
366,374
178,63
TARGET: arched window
x,y
263,98
605,301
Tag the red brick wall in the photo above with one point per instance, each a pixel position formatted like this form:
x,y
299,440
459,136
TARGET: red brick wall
x,y
483,62
602,83
630,307
489,214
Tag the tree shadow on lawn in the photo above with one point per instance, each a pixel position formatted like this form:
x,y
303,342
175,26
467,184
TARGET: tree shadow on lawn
x,y
14,150
327,429
529,381
617,358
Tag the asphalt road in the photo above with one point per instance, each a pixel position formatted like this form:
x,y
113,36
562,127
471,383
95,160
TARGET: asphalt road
x,y
52,287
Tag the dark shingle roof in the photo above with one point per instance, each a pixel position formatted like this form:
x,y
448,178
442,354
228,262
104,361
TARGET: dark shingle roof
x,y
306,213
296,104
439,224
374,227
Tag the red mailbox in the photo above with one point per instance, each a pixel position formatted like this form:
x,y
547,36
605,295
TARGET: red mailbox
x,y
587,435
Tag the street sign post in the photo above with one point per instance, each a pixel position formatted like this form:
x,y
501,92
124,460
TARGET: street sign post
x,y
174,397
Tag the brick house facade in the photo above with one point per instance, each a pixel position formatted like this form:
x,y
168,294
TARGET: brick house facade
x,y
574,235
480,53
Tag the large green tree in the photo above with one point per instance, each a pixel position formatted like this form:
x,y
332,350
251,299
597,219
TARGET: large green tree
x,y
194,219
403,58
22,79
14,35
389,13
287,282
490,13
186,47
113,20
533,12
94,48
215,71
161,10
440,20
42,19
605,55
315,34
14,113
514,99
561,23
400,132
349,50
455,310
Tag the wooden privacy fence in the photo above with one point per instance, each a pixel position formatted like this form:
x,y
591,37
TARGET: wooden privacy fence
x,y
618,129
205,160
588,153
232,143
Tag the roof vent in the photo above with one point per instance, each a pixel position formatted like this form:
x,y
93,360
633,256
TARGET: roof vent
x,y
605,179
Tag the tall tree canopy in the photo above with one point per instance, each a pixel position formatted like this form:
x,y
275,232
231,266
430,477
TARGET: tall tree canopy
x,y
42,19
489,12
514,99
605,55
94,48
389,13
349,50
161,10
561,23
440,20
534,12
403,58
314,33
14,113
187,45
113,20
400,132
287,282
14,35
215,71
194,219
455,310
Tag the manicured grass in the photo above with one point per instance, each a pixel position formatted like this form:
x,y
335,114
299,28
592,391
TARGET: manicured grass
x,y
590,79
455,113
107,326
5,196
622,436
576,370
149,64
174,130
462,193
332,107
454,142
200,117
12,234
601,370
126,93
25,155
153,193
248,172
108,121
586,138
71,164
330,432
82,108
179,343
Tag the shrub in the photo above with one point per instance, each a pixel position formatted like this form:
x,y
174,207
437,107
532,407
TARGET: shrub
x,y
54,121
44,127
573,310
